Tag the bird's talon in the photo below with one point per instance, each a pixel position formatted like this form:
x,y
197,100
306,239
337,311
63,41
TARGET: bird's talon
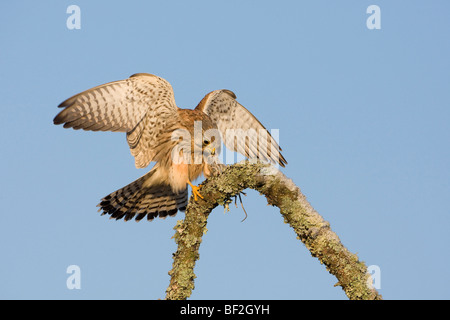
x,y
195,191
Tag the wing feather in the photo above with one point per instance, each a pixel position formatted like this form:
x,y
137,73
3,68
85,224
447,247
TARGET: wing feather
x,y
118,105
240,129
127,105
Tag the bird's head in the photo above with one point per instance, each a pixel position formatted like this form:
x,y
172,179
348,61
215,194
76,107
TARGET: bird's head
x,y
211,145
208,144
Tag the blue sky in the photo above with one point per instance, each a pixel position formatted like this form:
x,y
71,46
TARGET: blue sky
x,y
364,124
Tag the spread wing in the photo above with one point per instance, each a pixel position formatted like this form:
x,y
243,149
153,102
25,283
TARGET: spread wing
x,y
240,130
139,106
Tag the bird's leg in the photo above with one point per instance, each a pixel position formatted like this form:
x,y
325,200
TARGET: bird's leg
x,y
195,191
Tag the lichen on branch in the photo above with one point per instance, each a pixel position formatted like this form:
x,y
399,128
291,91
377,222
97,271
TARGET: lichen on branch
x,y
281,192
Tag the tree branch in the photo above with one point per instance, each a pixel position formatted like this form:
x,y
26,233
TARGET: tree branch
x,y
280,191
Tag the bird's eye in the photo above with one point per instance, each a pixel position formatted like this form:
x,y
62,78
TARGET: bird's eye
x,y
205,142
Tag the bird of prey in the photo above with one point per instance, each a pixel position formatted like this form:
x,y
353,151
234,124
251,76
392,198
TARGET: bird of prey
x,y
183,143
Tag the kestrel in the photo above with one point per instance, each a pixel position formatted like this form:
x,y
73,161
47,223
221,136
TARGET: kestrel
x,y
184,143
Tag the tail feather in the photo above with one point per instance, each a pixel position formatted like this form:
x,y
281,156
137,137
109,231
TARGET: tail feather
x,y
137,201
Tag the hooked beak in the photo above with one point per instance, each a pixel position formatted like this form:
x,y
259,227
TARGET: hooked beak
x,y
212,150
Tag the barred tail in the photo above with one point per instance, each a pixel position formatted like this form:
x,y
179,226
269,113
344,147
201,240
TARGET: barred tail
x,y
137,200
